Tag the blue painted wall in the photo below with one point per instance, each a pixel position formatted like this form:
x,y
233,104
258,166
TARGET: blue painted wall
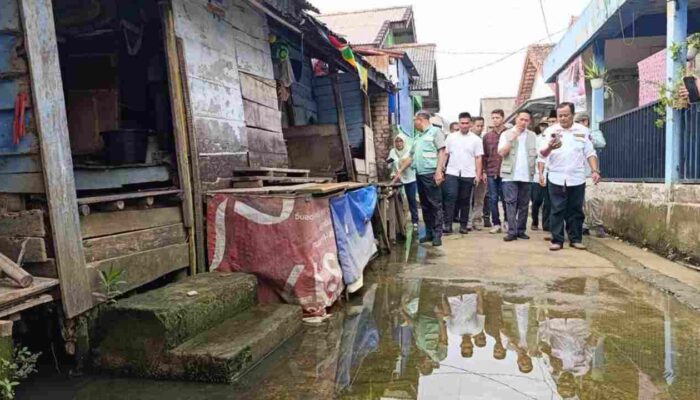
x,y
14,78
353,105
403,100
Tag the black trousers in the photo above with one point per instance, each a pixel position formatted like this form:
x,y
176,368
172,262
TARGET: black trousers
x,y
540,200
567,207
431,205
517,196
458,194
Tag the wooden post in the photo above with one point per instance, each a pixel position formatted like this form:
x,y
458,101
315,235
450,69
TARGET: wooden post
x,y
177,102
343,127
57,163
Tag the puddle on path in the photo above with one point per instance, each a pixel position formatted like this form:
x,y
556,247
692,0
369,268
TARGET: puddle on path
x,y
581,338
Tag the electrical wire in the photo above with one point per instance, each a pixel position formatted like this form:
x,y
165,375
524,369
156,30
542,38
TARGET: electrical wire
x,y
505,57
544,17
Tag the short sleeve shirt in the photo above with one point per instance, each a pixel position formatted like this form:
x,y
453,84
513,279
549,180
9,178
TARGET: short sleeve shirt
x,y
463,151
566,166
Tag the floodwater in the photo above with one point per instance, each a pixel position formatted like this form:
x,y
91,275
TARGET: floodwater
x,y
582,337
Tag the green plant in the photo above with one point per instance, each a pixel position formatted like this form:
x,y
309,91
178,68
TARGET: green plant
x,y
593,71
111,280
669,96
16,370
675,50
694,41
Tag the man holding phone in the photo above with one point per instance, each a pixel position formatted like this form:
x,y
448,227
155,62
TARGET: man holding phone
x,y
568,150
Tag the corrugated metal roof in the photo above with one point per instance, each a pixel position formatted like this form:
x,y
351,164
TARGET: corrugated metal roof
x,y
366,27
423,57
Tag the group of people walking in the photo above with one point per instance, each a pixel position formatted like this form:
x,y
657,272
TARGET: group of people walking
x,y
462,176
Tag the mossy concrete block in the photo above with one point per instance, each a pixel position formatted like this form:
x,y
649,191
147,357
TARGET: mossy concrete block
x,y
225,352
685,225
135,334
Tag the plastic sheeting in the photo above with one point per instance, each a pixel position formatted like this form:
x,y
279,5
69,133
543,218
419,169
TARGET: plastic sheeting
x,y
288,243
352,222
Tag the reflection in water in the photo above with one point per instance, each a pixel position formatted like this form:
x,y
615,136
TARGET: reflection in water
x,y
412,338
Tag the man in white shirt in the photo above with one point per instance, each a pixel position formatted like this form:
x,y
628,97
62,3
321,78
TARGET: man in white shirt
x,y
567,152
464,150
518,147
539,194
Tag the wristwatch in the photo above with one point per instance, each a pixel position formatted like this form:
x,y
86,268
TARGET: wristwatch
x,y
596,171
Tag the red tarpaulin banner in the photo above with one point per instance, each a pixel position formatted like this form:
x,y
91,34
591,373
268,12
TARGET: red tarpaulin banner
x,y
288,243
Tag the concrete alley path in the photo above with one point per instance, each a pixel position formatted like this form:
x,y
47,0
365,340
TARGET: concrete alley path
x,y
484,256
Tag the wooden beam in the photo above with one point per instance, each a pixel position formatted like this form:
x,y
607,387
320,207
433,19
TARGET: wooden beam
x,y
180,128
10,294
133,242
35,248
32,183
110,223
15,272
347,156
144,267
128,196
50,115
23,223
25,305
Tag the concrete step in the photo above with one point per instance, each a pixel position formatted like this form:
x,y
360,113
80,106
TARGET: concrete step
x,y
227,351
135,334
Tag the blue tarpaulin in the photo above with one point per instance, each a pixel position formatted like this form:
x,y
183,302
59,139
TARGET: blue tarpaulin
x,y
352,222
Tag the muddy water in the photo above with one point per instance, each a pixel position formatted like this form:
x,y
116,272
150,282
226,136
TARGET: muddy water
x,y
589,337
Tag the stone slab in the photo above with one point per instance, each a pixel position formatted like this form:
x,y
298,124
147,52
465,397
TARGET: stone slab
x,y
136,332
225,352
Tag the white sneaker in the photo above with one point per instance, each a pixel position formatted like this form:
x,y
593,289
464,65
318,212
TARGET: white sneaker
x,y
496,229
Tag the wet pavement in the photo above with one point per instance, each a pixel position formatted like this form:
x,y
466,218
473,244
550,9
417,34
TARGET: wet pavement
x,y
476,319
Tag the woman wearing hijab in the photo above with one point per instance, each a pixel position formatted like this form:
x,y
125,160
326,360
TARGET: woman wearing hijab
x,y
400,152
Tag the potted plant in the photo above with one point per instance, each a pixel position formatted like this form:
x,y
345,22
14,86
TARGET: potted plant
x,y
693,46
595,74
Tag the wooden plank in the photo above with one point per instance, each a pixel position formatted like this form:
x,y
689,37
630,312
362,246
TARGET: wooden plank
x,y
50,114
27,304
197,243
22,183
247,185
180,128
262,141
19,164
35,249
144,267
347,156
280,179
110,223
258,116
23,223
133,242
10,293
291,189
11,203
258,91
267,171
128,196
115,178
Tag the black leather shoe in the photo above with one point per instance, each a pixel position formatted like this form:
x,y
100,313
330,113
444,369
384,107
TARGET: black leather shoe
x,y
437,242
463,231
425,239
510,238
523,236
447,232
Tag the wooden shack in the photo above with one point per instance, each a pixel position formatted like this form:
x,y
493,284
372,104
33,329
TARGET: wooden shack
x,y
133,110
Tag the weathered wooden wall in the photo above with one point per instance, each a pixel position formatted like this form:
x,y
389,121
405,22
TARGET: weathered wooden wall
x,y
353,104
214,89
231,89
20,166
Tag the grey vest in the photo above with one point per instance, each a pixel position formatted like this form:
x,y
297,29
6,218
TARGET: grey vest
x,y
511,160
